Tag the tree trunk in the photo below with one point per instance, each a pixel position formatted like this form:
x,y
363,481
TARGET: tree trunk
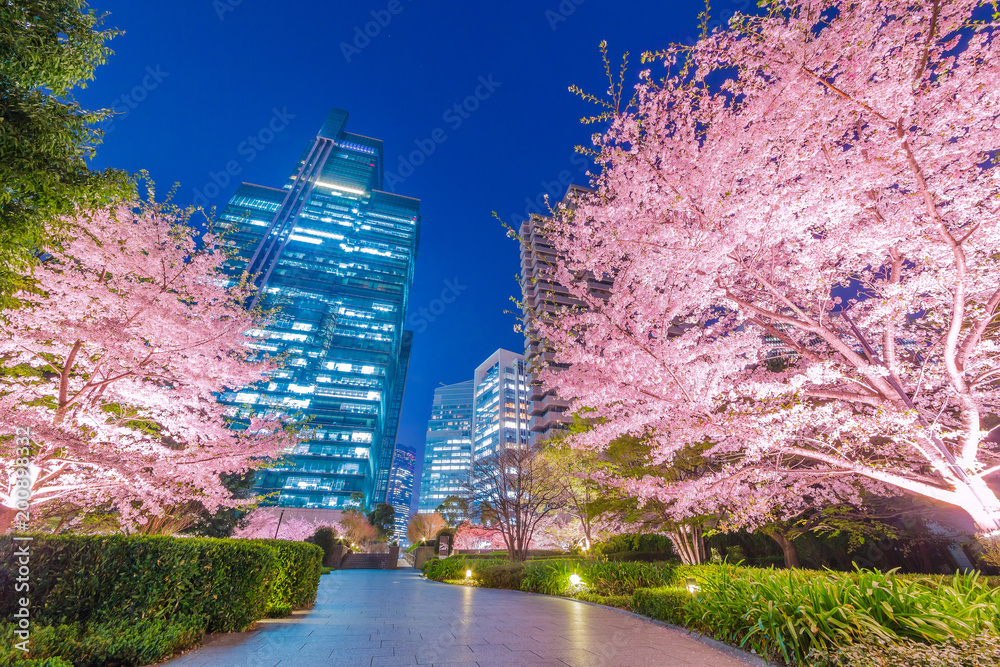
x,y
689,541
788,549
982,504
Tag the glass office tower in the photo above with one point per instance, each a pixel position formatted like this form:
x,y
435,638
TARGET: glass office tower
x,y
448,448
404,464
502,405
335,254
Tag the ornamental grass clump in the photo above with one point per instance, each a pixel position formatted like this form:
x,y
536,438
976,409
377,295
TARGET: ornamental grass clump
x,y
787,614
621,578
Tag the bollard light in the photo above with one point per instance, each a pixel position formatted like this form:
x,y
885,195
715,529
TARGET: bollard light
x,y
574,579
691,585
468,574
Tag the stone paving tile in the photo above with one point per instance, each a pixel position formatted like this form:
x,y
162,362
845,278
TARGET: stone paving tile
x,y
375,618
521,658
393,661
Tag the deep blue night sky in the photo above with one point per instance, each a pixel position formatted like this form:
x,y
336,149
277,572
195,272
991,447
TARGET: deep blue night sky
x,y
212,74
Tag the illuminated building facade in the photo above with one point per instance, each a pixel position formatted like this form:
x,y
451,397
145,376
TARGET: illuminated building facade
x,y
404,464
335,253
448,448
501,404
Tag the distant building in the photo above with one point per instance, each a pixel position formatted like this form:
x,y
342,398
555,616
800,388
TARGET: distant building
x,y
448,448
404,464
500,413
335,253
542,295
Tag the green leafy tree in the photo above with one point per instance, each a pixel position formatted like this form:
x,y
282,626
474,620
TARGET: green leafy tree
x,y
630,458
383,518
454,511
576,470
47,49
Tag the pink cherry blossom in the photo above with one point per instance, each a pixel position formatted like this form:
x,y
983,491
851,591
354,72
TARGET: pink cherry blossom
x,y
263,524
474,536
827,158
115,367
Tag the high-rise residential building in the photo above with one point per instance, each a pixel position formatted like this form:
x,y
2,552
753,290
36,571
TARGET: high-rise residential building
x,y
501,405
404,464
335,253
541,294
448,448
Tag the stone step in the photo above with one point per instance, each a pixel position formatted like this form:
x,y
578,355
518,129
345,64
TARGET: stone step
x,y
365,562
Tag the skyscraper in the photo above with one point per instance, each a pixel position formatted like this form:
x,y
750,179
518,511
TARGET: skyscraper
x,y
501,405
448,448
542,295
401,487
335,253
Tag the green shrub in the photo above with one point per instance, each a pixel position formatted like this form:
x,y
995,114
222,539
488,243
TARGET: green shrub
x,y
98,579
550,577
788,613
507,576
647,543
439,569
624,578
620,601
667,604
326,539
635,557
296,577
98,644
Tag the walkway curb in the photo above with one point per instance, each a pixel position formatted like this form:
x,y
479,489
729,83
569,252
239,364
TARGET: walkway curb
x,y
739,654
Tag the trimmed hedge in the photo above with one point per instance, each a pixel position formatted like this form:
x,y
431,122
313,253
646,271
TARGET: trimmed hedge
x,y
551,576
298,566
649,545
163,592
99,579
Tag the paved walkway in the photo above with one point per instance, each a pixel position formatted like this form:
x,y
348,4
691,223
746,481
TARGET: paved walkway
x,y
385,618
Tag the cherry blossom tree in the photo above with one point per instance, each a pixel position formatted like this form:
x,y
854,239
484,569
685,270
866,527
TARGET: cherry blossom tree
x,y
358,530
801,222
114,367
474,536
268,525
561,531
424,526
